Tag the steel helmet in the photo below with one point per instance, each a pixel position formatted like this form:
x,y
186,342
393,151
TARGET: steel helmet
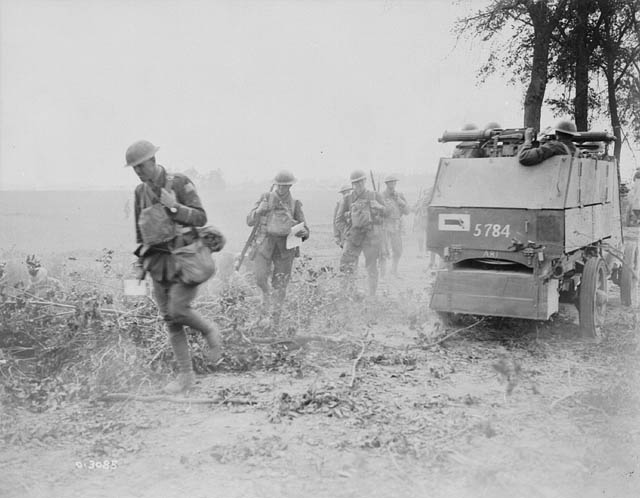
x,y
567,127
138,152
492,125
357,175
284,177
391,178
469,126
345,188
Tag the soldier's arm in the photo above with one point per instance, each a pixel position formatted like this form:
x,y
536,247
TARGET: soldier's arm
x,y
334,221
529,156
298,215
189,208
404,206
259,209
384,209
340,218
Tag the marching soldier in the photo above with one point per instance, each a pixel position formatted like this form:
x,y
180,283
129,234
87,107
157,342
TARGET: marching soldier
x,y
392,225
276,212
339,226
362,212
167,209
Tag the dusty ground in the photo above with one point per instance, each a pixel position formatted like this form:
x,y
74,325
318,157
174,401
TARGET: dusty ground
x,y
503,409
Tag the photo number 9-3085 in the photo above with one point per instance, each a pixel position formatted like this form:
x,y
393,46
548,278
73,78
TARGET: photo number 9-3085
x,y
97,464
491,230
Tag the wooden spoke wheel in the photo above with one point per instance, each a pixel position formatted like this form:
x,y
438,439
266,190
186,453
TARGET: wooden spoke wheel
x,y
593,298
629,276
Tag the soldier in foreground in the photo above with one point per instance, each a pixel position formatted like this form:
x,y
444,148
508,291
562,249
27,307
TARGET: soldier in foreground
x,y
276,213
362,212
167,209
339,227
564,130
397,207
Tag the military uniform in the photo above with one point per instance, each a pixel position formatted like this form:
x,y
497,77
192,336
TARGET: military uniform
x,y
530,156
339,225
172,297
392,227
365,239
270,254
561,146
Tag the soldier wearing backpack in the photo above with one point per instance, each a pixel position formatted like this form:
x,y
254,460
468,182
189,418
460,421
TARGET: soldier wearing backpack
x,y
362,212
276,212
397,207
167,210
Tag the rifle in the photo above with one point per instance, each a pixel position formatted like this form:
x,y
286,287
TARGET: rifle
x,y
246,247
373,182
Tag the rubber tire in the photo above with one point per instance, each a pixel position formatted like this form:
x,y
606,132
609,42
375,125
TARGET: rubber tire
x,y
449,319
629,277
592,314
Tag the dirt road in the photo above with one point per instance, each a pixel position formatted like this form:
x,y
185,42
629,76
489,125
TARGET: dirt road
x,y
504,408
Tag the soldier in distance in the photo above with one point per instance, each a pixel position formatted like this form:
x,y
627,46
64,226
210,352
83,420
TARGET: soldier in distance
x,y
276,212
397,207
362,213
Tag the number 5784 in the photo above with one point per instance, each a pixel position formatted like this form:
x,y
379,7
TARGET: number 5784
x,y
491,230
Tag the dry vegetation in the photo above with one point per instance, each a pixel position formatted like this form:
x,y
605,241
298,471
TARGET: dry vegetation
x,y
351,397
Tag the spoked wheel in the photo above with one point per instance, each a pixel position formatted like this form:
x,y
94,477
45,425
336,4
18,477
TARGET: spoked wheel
x,y
629,277
593,298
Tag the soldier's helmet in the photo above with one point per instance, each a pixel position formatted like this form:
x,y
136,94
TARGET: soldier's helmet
x,y
492,125
345,188
284,177
357,175
391,178
138,152
469,126
567,127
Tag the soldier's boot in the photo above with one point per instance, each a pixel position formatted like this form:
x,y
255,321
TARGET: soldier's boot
x,y
186,378
214,342
182,383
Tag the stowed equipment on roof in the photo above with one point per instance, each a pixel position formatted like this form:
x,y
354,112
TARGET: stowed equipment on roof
x,y
504,142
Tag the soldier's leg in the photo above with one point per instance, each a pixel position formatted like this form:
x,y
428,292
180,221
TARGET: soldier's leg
x,y
282,264
348,262
180,298
371,250
262,271
383,255
177,338
396,247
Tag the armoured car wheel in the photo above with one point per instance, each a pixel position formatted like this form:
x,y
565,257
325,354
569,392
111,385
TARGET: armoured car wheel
x,y
593,298
448,319
629,277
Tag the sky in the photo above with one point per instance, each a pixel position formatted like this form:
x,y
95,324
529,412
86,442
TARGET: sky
x,y
247,87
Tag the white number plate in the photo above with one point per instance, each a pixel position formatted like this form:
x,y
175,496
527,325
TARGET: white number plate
x,y
494,230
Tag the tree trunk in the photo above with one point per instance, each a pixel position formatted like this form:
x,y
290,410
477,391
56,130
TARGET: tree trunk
x,y
613,112
581,100
542,29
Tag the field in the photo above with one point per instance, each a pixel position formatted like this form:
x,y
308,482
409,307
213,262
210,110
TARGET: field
x,y
351,398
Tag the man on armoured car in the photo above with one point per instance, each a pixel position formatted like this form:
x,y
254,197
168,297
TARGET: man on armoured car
x,y
562,144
